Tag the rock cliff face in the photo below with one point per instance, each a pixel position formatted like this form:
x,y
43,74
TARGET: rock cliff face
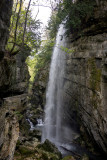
x,y
86,79
5,13
38,95
13,98
14,78
85,87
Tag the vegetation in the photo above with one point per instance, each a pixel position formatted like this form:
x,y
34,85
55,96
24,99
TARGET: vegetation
x,y
40,60
25,34
74,13
24,30
19,115
53,24
94,81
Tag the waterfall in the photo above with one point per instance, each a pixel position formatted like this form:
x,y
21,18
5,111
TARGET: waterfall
x,y
53,127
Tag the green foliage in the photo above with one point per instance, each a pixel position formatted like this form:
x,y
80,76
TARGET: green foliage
x,y
76,14
25,151
41,59
53,25
44,55
32,34
19,115
31,62
66,50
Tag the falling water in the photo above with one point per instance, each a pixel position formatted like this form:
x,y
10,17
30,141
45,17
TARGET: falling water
x,y
56,127
53,129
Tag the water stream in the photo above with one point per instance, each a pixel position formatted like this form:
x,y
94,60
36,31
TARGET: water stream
x,y
55,129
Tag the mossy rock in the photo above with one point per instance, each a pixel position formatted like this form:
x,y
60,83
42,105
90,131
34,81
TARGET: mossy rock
x,y
85,157
49,147
48,155
45,151
94,82
69,158
25,151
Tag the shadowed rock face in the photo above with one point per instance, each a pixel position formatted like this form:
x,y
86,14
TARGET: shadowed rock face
x,y
13,85
86,85
86,79
9,124
14,78
5,13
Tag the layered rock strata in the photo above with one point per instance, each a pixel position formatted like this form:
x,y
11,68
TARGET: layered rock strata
x,y
38,96
86,78
86,85
13,86
5,13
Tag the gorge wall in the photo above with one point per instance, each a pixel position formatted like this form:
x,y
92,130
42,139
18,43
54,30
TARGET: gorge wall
x,y
85,85
5,13
38,96
14,78
13,98
86,78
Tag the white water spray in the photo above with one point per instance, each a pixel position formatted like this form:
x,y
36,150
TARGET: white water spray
x,y
53,129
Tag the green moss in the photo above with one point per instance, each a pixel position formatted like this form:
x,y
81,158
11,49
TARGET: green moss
x,y
85,157
68,158
47,146
95,75
50,149
94,80
49,156
19,115
25,151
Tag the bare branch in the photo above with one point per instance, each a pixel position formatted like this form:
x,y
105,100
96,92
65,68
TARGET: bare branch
x,y
14,16
41,5
26,22
37,12
15,33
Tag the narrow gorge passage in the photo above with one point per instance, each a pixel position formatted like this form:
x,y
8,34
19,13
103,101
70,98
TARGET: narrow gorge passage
x,y
57,126
53,80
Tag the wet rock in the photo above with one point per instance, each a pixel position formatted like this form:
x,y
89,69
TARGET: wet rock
x,y
5,13
35,133
9,124
85,87
28,151
69,158
85,157
49,147
33,114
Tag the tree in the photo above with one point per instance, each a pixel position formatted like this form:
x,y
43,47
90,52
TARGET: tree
x,y
17,21
24,30
77,13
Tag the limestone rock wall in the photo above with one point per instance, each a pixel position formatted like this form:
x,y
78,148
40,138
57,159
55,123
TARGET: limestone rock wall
x,y
5,13
86,85
14,78
13,81
85,88
9,124
38,96
13,86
